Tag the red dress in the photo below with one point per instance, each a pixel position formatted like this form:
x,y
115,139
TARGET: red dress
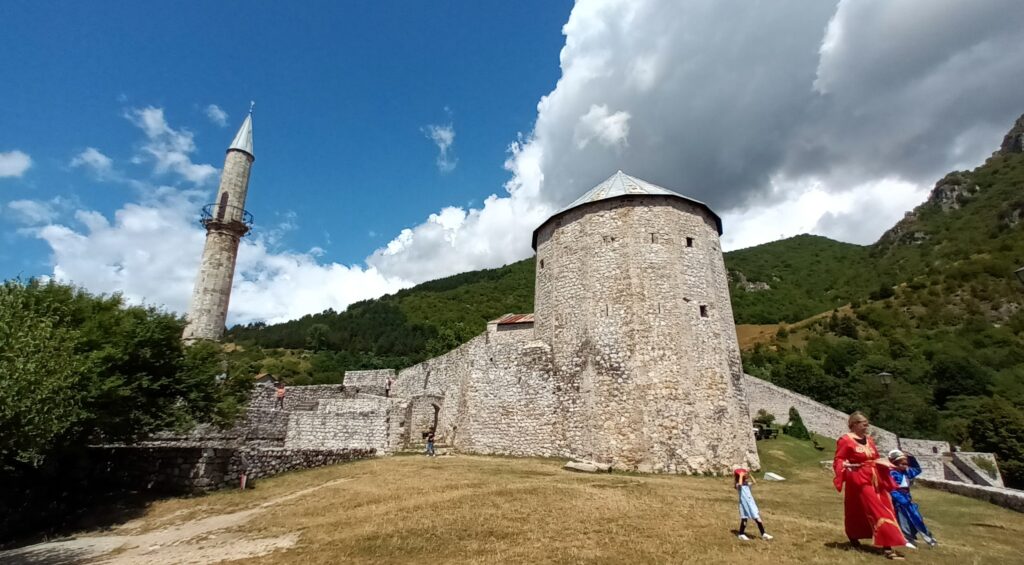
x,y
868,505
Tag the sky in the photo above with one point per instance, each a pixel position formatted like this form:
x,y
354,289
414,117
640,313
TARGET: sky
x,y
400,142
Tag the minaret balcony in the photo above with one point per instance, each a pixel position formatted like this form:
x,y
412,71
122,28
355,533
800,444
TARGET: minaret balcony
x,y
226,217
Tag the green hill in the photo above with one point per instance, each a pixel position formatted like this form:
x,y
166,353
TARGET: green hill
x,y
795,278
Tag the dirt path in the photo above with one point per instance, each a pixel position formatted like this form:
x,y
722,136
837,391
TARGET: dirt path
x,y
212,539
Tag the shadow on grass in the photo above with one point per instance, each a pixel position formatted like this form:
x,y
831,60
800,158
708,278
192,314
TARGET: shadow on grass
x,y
47,556
854,546
41,520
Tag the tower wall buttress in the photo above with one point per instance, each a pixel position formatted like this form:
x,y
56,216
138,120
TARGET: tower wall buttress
x,y
633,300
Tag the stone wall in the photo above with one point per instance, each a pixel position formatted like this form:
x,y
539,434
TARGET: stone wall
x,y
194,469
297,397
924,447
966,462
212,291
370,422
370,382
1005,497
632,298
818,418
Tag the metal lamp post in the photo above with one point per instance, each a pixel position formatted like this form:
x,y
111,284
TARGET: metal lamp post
x,y
886,379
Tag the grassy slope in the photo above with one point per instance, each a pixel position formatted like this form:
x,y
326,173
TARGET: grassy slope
x,y
469,509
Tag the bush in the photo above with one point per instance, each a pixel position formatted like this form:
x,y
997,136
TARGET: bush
x,y
764,417
796,428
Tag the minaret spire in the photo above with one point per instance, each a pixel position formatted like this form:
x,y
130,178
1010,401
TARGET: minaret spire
x,y
226,222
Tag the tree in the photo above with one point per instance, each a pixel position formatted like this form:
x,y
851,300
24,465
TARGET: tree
x,y
999,428
957,375
316,337
42,377
81,369
796,428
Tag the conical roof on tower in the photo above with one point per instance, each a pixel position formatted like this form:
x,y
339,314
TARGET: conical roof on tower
x,y
621,185
243,139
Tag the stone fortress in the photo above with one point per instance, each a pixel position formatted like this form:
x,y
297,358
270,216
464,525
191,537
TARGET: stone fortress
x,y
630,360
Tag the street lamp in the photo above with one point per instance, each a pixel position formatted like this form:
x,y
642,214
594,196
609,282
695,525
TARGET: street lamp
x,y
1020,274
886,379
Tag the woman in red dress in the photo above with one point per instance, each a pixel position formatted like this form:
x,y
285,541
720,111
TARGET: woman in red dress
x,y
868,505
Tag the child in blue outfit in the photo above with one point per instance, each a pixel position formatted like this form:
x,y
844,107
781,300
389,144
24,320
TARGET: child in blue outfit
x,y
905,469
742,479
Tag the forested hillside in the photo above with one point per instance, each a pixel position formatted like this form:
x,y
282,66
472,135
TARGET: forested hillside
x,y
949,331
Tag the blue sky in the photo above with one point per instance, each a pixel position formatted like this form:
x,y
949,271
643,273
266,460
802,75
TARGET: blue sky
x,y
399,142
344,92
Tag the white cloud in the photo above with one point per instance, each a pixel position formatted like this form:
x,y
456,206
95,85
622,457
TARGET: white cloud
x,y
443,136
216,115
857,215
34,212
150,252
785,117
94,160
610,129
14,163
168,148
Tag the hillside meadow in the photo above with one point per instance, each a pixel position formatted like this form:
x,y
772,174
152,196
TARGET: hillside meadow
x,y
472,509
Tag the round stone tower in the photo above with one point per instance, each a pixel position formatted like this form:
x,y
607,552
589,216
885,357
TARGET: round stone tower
x,y
226,222
633,300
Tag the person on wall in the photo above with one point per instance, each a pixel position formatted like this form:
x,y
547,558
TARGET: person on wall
x,y
279,396
868,507
742,481
905,469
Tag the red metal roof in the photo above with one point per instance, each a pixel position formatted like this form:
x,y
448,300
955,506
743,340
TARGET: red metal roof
x,y
515,319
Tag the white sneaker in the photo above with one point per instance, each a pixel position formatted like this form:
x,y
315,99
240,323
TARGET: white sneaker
x,y
910,546
743,537
767,537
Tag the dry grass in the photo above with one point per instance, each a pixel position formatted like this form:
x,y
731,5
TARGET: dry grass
x,y
467,509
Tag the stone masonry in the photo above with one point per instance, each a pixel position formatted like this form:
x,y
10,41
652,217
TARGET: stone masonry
x,y
224,228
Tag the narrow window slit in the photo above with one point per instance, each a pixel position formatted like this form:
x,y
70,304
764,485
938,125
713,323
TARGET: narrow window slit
x,y
703,311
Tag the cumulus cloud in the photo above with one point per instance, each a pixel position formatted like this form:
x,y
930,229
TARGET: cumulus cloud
x,y
95,161
168,148
150,252
443,136
34,212
216,115
14,163
786,117
611,130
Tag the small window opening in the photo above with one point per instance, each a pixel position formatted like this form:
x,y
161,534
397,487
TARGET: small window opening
x,y
223,206
652,238
703,311
689,242
541,263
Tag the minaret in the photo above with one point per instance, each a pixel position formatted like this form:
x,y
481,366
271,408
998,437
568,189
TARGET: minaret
x,y
226,222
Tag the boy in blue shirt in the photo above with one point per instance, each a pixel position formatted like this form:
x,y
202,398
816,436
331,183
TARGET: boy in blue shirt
x,y
905,469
